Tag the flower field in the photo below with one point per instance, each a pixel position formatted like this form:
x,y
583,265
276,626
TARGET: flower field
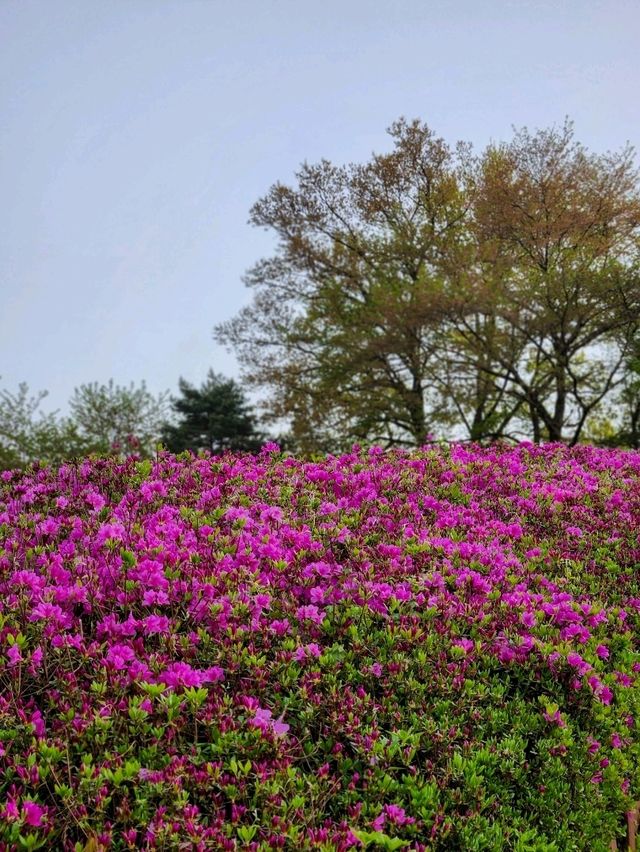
x,y
437,650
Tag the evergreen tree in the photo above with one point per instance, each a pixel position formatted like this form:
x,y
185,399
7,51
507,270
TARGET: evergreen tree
x,y
215,417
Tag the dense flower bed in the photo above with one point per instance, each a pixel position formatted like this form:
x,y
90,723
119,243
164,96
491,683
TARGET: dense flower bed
x,y
437,651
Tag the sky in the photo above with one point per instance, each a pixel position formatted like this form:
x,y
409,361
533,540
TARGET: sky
x,y
135,135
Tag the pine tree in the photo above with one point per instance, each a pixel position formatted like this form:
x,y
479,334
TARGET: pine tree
x,y
215,417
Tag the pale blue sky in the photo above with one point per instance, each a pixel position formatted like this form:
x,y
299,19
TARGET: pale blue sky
x,y
136,134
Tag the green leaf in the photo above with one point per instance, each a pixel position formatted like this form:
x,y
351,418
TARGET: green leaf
x,y
246,833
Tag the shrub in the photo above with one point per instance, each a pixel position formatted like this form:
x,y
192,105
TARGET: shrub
x,y
433,650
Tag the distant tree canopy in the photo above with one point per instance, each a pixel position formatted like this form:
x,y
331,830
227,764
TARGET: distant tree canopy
x,y
429,289
109,418
215,417
26,433
103,419
113,417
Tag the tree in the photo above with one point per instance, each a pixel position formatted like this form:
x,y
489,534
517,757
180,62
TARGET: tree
x,y
562,227
630,399
345,327
620,427
113,417
27,434
429,289
19,430
214,417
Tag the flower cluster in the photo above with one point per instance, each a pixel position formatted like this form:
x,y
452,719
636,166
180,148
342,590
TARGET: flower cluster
x,y
428,650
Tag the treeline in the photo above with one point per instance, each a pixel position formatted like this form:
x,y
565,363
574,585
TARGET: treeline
x,y
107,419
431,290
427,292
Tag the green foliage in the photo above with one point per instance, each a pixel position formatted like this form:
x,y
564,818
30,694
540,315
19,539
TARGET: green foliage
x,y
427,289
215,417
103,419
113,417
437,702
28,434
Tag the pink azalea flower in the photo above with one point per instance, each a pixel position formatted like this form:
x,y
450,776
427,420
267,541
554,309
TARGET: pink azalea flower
x,y
119,656
279,728
605,695
311,612
14,655
317,594
466,645
576,661
11,811
38,724
397,815
33,813
262,719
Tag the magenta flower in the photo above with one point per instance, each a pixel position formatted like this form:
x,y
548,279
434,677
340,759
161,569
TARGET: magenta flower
x,y
280,627
576,662
279,728
317,594
396,815
310,650
213,674
38,724
506,654
594,745
555,718
311,612
378,822
95,500
466,645
262,720
119,656
33,813
156,624
11,811
182,674
605,695
14,655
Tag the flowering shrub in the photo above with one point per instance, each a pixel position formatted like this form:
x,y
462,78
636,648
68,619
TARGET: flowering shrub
x,y
432,651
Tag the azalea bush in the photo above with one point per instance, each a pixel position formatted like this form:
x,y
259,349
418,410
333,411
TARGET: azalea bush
x,y
433,650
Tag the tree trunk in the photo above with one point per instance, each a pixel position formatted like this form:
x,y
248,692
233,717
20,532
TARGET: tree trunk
x,y
416,412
